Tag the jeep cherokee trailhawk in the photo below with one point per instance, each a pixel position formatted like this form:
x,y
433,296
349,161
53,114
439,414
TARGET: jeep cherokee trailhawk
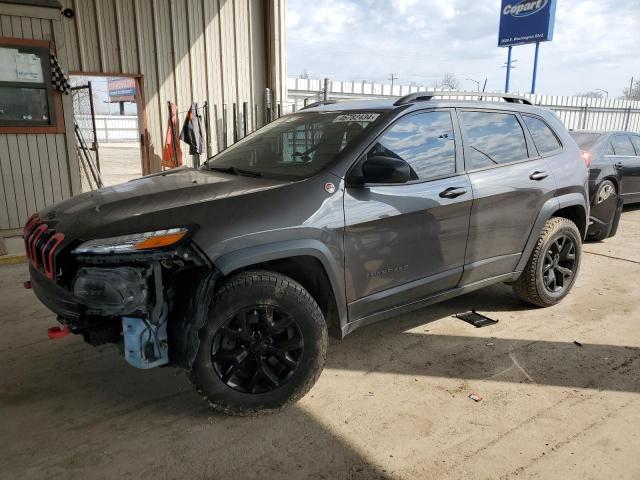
x,y
325,220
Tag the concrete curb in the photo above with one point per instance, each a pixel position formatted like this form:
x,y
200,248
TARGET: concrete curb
x,y
13,259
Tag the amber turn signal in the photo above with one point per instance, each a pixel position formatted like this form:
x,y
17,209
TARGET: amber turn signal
x,y
160,241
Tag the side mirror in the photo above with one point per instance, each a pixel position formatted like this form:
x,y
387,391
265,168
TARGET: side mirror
x,y
380,169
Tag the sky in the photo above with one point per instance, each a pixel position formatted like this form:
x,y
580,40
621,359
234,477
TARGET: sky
x,y
596,44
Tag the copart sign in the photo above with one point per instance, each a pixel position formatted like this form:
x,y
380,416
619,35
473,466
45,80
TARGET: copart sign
x,y
526,21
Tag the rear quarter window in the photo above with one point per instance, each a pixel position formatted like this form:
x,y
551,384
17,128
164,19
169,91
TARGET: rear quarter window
x,y
492,138
622,145
636,144
544,138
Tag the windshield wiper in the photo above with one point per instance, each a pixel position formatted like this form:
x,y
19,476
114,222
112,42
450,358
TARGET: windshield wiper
x,y
237,171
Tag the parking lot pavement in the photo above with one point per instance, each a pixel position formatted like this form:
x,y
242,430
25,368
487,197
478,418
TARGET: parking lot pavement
x,y
391,403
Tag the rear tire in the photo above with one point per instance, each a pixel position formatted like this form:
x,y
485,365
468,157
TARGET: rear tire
x,y
263,346
553,266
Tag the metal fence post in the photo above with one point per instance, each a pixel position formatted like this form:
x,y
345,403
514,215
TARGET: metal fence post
x,y
267,105
224,125
626,122
325,94
245,126
584,116
235,122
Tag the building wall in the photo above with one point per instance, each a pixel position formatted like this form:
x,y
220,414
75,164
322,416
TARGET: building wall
x,y
187,50
36,170
221,51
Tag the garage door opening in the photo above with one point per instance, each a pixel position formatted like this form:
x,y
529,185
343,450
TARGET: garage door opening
x,y
106,123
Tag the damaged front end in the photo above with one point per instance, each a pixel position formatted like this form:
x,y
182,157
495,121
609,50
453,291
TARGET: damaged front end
x,y
133,290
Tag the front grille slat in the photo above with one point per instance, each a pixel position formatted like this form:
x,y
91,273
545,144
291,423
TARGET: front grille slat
x,y
41,244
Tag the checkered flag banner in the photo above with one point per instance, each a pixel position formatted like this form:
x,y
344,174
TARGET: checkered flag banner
x,y
58,78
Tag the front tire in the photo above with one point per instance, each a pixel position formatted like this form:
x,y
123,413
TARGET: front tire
x,y
263,346
553,266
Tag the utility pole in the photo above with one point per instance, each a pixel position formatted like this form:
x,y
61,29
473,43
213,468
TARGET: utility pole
x,y
630,89
509,65
325,94
393,77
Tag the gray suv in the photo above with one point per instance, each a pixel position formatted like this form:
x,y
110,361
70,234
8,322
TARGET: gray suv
x,y
325,220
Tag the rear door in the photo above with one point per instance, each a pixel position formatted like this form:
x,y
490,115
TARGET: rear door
x,y
510,181
405,242
627,160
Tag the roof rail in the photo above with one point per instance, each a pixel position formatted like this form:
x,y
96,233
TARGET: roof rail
x,y
321,102
426,96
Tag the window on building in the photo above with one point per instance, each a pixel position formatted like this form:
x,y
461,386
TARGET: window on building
x,y
26,96
492,139
544,138
622,145
425,141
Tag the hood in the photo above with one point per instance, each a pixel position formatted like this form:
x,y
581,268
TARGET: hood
x,y
133,205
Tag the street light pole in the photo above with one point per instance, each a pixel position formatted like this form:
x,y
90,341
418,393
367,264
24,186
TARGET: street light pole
x,y
477,82
606,92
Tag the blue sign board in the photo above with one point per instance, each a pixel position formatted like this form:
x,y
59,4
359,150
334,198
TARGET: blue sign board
x,y
526,21
122,92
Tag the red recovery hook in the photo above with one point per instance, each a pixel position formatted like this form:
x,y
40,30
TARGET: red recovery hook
x,y
56,333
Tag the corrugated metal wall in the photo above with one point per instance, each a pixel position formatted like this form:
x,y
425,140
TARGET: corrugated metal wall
x,y
34,168
222,51
187,50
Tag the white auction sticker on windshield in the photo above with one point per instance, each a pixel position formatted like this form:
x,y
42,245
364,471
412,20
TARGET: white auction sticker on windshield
x,y
356,117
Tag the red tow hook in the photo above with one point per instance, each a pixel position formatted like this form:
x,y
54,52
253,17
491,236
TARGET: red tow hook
x,y
56,333
27,284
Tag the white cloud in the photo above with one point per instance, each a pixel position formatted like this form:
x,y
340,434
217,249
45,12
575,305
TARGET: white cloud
x,y
595,45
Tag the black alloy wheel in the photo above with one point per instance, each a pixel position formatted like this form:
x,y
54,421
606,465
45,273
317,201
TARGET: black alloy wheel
x,y
559,264
257,350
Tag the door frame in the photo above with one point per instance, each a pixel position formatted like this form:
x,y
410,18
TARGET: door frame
x,y
143,131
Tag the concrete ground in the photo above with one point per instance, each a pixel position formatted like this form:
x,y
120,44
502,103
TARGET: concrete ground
x,y
119,163
391,403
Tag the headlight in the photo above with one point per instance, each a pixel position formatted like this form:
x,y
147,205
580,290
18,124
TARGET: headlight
x,y
134,242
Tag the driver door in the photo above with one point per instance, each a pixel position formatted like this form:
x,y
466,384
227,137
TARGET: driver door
x,y
406,242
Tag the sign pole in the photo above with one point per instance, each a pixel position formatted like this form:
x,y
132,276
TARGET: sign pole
x,y
506,83
535,69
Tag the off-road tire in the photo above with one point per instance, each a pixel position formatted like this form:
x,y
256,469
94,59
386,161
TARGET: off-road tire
x,y
529,286
241,291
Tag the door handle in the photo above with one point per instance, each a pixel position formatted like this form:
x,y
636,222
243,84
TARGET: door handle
x,y
538,175
618,165
453,192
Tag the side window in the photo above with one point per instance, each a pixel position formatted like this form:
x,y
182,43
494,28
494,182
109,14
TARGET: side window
x,y
424,140
492,139
622,145
610,150
636,143
544,138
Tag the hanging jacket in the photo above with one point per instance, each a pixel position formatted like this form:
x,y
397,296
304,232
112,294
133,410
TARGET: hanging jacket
x,y
192,131
171,152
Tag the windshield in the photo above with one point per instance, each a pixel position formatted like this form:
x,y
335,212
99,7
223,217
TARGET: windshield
x,y
585,140
295,146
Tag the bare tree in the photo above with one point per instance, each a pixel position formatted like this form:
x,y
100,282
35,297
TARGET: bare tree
x,y
449,81
590,94
304,74
632,93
